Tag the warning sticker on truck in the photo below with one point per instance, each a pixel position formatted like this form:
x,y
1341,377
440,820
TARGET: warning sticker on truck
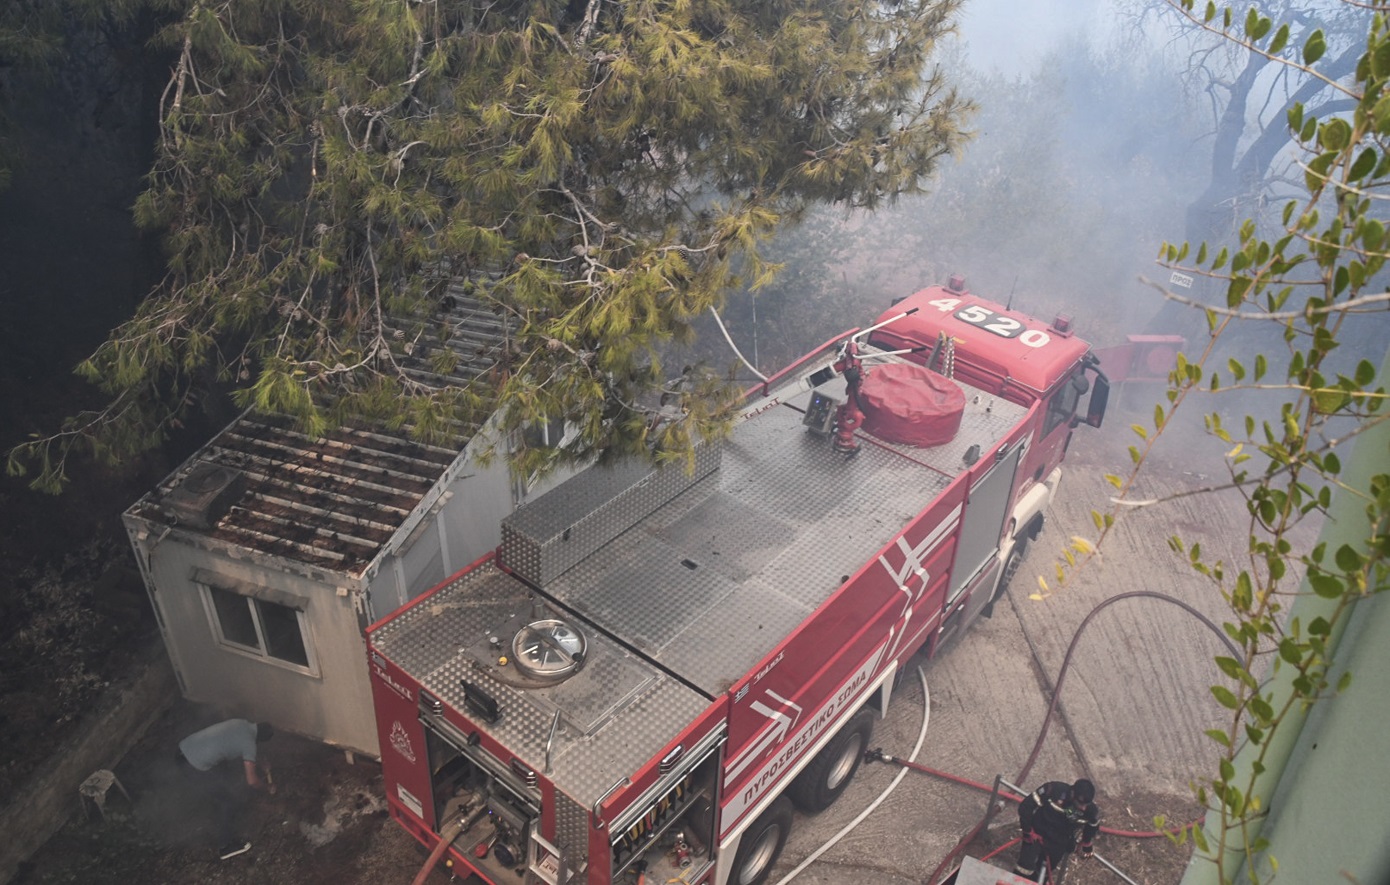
x,y
410,802
787,745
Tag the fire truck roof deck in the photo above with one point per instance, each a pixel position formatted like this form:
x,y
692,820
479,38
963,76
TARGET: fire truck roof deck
x,y
696,578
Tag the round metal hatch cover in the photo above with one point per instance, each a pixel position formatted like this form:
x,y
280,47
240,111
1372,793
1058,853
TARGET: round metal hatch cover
x,y
548,649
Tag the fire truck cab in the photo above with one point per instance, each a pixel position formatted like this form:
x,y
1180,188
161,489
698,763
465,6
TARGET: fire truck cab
x,y
658,664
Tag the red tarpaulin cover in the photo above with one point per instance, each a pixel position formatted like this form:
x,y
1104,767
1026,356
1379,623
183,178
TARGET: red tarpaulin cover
x,y
910,405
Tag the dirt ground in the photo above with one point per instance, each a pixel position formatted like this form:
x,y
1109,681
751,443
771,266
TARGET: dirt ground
x,y
906,839
326,823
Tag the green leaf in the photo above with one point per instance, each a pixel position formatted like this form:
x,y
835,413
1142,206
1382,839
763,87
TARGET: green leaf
x,y
1363,166
1295,117
1334,135
1380,60
1314,47
1235,801
1365,373
1230,666
1243,594
1380,115
1372,233
1327,586
1256,25
1225,697
1261,710
1317,171
1219,736
1349,559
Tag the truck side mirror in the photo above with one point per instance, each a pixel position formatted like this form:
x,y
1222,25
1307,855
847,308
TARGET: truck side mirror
x,y
1100,397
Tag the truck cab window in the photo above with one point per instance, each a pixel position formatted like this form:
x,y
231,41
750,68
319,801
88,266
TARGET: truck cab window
x,y
1062,407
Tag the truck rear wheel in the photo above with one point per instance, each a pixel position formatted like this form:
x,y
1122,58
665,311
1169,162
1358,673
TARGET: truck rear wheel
x,y
822,782
762,844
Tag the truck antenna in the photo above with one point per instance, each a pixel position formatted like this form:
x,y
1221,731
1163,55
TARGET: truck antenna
x,y
1010,304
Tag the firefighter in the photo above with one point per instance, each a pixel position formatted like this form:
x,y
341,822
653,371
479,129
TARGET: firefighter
x,y
210,754
1057,818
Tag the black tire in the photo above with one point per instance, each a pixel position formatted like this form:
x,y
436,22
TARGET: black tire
x,y
761,845
1011,567
822,782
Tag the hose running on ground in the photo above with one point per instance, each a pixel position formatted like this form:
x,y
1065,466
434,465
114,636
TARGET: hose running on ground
x,y
986,788
1056,696
921,737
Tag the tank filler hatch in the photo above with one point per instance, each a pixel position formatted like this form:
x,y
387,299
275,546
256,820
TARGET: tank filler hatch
x,y
549,649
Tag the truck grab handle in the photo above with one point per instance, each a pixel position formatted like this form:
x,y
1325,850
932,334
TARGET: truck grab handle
x,y
598,803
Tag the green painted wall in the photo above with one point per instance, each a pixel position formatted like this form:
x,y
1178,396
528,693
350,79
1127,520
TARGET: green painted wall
x,y
1327,784
1331,812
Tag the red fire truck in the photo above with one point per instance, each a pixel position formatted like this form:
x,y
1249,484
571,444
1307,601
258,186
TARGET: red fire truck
x,y
657,665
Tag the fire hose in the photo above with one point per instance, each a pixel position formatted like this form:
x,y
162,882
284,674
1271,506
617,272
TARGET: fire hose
x,y
910,763
921,738
451,831
1056,696
1015,793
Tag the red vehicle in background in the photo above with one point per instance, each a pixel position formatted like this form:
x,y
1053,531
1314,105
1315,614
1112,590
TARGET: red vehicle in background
x,y
657,665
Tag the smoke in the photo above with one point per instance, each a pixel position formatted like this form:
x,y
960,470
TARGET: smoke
x,y
1084,158
1091,149
1009,38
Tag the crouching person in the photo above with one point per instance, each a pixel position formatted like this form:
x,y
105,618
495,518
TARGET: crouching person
x,y
1057,819
222,760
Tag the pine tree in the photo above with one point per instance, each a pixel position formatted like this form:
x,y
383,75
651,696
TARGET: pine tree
x,y
600,172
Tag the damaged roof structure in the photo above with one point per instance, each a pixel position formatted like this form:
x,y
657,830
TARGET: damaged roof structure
x,y
267,532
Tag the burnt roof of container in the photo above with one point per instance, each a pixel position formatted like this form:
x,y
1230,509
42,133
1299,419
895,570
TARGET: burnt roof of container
x,y
331,502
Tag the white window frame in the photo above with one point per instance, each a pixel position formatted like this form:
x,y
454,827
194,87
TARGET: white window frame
x,y
558,428
260,651
567,432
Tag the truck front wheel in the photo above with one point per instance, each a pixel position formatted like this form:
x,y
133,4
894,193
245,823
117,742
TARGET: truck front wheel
x,y
822,782
1011,567
762,844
